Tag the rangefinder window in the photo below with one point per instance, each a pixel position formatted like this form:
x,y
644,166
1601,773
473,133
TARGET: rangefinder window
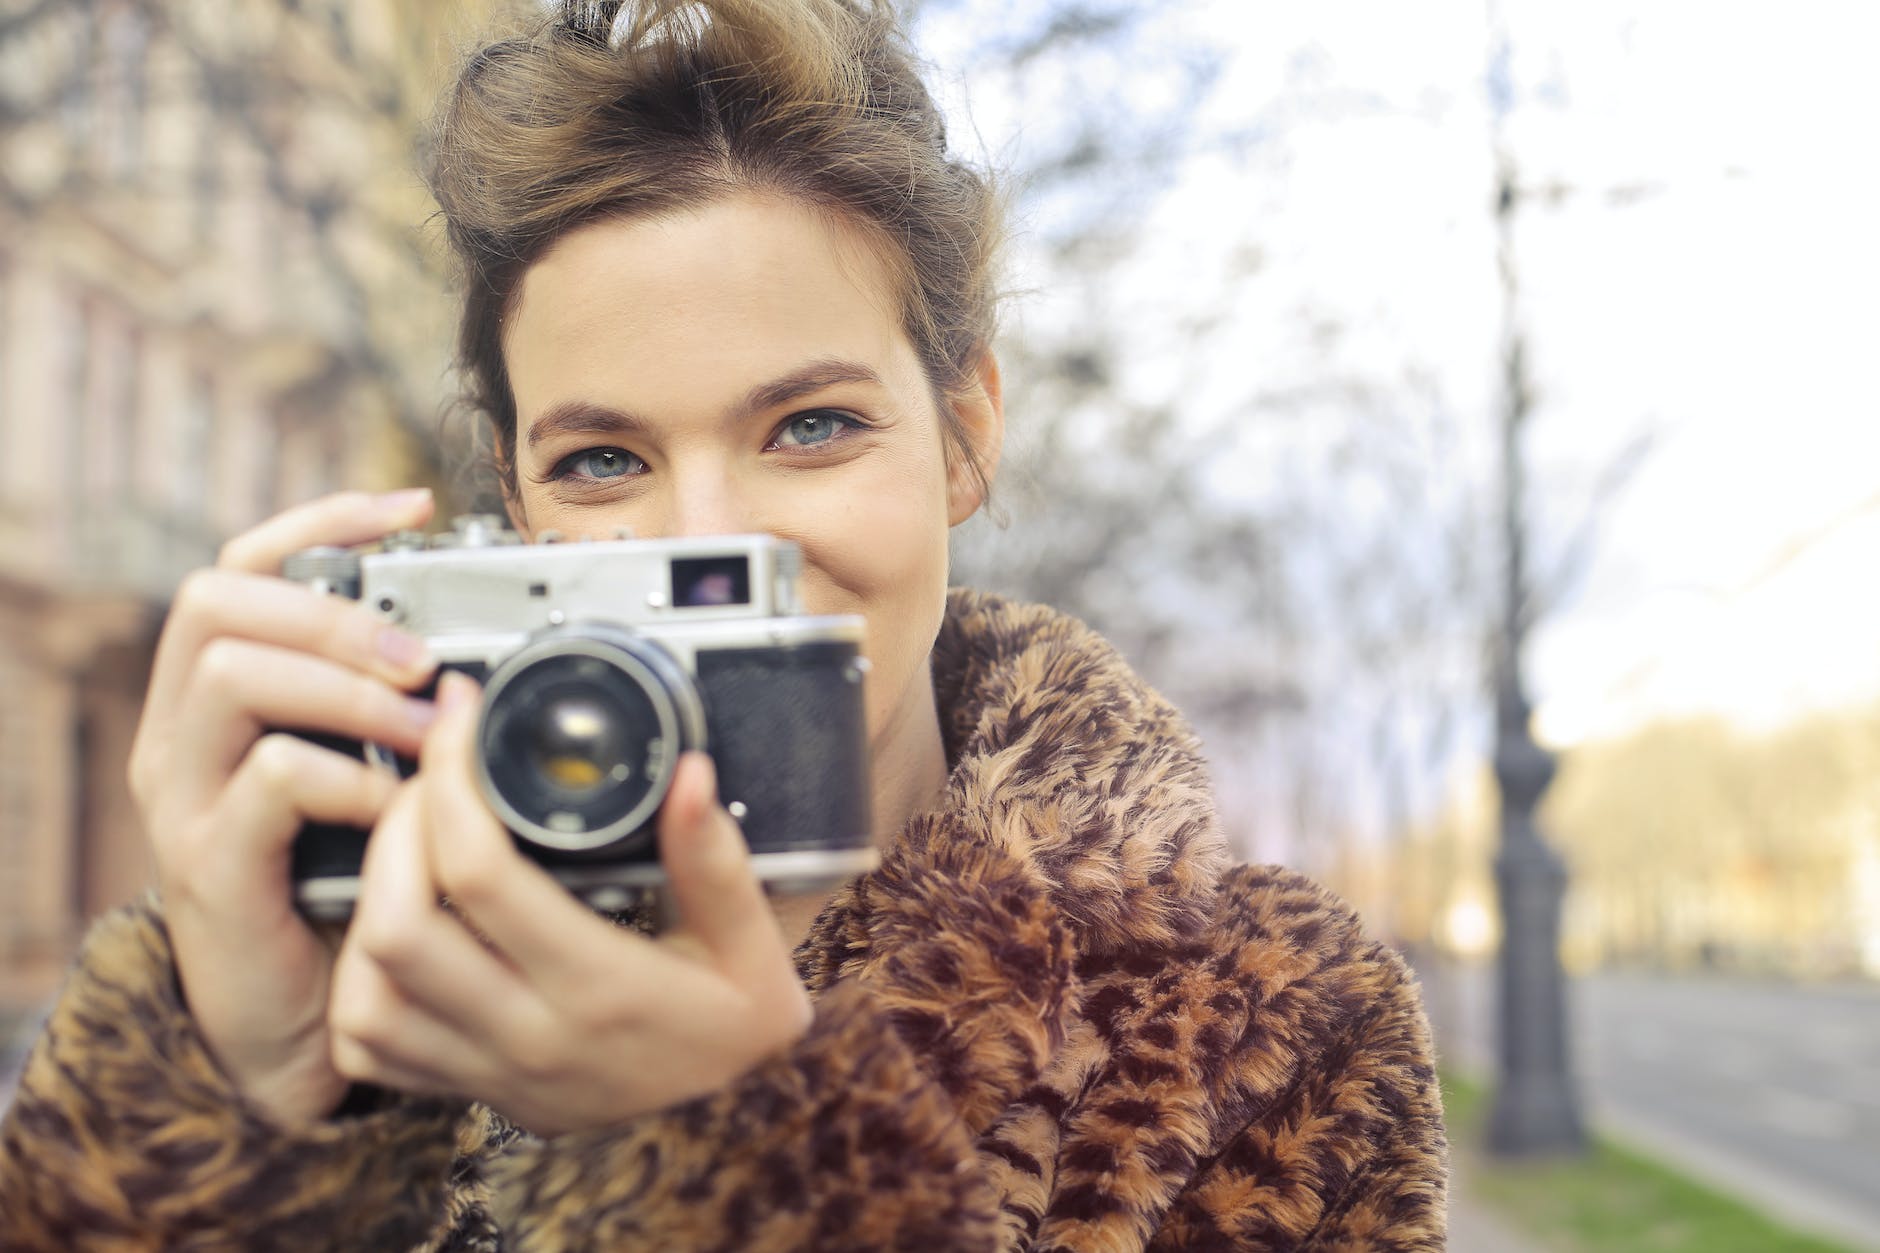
x,y
703,582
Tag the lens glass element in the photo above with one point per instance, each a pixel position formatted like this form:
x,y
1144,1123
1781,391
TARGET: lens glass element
x,y
574,744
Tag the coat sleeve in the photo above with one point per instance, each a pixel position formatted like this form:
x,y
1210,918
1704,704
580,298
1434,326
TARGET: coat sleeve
x,y
126,1134
863,1135
1342,1146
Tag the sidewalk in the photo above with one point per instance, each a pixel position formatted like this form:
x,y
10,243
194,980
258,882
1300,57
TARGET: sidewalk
x,y
1459,1015
1475,1229
1459,999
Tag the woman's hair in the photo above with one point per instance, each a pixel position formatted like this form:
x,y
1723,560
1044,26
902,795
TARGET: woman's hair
x,y
624,110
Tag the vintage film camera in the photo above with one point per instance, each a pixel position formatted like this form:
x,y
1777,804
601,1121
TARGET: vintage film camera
x,y
601,661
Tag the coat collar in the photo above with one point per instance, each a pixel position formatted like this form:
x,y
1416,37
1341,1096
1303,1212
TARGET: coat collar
x,y
1076,828
1069,771
1065,759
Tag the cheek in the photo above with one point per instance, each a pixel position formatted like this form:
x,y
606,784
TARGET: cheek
x,y
882,552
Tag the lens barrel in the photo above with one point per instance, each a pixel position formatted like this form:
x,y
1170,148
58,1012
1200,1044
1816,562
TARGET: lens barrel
x,y
581,730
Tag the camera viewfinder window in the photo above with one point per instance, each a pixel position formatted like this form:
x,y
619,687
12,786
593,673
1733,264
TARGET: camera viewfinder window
x,y
698,582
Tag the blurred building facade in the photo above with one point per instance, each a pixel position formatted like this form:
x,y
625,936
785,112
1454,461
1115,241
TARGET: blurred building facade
x,y
214,302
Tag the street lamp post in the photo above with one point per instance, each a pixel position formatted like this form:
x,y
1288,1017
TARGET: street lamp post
x,y
1535,1109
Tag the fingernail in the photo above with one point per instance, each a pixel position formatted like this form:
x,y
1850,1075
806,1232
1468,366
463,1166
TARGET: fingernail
x,y
405,499
402,648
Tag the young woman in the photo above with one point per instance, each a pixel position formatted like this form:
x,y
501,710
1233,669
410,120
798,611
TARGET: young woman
x,y
721,276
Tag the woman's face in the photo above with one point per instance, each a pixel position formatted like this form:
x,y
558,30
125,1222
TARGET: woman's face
x,y
743,368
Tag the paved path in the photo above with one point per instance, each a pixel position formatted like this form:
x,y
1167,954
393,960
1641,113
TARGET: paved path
x,y
1771,1089
1768,1091
1473,1229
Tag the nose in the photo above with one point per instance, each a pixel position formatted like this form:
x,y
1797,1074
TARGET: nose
x,y
704,500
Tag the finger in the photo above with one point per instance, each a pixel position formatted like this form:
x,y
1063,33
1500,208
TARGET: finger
x,y
283,783
241,689
341,519
555,941
708,871
360,1065
435,962
217,602
376,1034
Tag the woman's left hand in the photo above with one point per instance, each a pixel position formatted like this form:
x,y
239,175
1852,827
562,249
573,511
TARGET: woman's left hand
x,y
547,1012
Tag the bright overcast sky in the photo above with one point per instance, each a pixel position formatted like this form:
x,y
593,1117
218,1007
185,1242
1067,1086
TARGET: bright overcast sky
x,y
1739,307
1712,275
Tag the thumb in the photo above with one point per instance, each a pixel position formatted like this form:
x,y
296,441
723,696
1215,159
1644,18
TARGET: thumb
x,y
708,871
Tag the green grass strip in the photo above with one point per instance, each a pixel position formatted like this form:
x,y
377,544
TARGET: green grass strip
x,y
1613,1200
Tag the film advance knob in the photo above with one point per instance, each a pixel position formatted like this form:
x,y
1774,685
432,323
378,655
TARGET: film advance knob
x,y
476,530
403,542
331,570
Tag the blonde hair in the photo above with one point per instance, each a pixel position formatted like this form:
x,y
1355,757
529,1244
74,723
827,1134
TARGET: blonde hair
x,y
653,106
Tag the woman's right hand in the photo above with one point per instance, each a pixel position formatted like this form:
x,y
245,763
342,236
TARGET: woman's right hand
x,y
244,657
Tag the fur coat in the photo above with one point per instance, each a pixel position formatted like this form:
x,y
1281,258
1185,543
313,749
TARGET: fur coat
x,y
1055,1018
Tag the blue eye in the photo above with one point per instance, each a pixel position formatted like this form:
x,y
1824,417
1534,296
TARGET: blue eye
x,y
818,426
599,463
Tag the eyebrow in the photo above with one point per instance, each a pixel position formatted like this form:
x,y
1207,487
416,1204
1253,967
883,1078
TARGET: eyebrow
x,y
590,418
805,380
571,417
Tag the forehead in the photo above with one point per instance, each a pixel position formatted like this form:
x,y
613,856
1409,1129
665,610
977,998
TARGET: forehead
x,y
743,288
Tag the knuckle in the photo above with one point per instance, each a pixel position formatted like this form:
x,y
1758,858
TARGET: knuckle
x,y
344,1020
357,1029
390,941
350,1058
276,758
220,665
360,1012
472,879
469,891
354,1043
196,593
596,1016
540,1058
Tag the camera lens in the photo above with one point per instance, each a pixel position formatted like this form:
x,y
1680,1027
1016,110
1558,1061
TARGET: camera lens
x,y
576,744
581,731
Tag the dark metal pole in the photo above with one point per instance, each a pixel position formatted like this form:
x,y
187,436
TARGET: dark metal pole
x,y
1535,1108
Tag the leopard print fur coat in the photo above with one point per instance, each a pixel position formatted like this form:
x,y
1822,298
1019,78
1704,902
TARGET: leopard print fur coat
x,y
1054,1019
